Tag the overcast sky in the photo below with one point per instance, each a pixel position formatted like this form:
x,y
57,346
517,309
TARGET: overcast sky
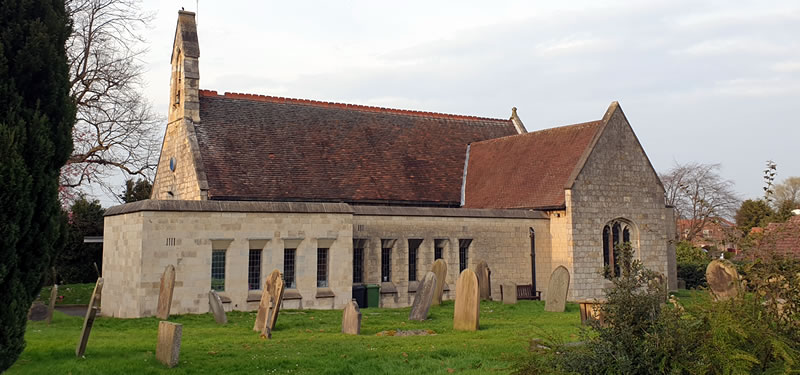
x,y
710,82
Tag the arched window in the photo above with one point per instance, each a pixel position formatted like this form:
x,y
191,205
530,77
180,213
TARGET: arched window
x,y
615,232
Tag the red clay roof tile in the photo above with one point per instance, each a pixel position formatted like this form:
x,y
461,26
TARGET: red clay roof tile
x,y
269,148
526,170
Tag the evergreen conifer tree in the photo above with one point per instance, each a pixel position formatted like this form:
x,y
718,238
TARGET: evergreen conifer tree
x,y
36,118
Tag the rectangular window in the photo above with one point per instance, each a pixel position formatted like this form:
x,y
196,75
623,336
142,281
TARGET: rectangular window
x,y
463,254
288,267
438,249
322,268
413,246
218,270
386,260
254,270
358,260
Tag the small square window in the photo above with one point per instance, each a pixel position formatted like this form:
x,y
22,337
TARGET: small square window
x,y
463,254
218,270
254,270
288,267
322,268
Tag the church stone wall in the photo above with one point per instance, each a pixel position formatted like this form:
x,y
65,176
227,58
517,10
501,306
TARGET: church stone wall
x,y
504,244
143,243
182,183
617,181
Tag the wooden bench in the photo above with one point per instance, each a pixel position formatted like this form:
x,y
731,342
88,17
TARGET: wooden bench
x,y
527,292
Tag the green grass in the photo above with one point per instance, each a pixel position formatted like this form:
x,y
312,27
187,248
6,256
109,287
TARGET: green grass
x,y
307,341
73,294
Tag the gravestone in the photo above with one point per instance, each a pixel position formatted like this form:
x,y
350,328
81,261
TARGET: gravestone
x,y
423,298
723,279
52,305
440,270
168,348
215,304
351,319
88,320
557,289
266,299
482,272
165,292
509,294
467,310
38,312
277,299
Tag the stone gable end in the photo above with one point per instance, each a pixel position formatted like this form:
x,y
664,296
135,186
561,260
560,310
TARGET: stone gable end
x,y
616,182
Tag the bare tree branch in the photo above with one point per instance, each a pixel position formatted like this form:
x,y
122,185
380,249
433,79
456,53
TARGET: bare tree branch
x,y
699,194
116,130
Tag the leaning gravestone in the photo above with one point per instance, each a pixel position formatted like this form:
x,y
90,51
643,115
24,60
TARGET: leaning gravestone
x,y
168,348
723,279
52,306
38,312
165,292
440,270
266,298
88,321
482,272
215,303
272,313
351,319
423,298
509,294
556,297
467,310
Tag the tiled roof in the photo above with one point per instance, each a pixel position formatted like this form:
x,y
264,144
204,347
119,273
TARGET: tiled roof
x,y
526,170
781,239
270,148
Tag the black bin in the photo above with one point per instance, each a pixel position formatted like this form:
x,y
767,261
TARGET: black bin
x,y
360,295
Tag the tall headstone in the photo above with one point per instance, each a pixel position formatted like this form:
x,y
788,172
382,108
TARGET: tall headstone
x,y
423,298
277,299
52,305
215,304
165,292
509,293
351,319
557,289
723,279
467,310
440,270
168,348
266,299
482,272
88,320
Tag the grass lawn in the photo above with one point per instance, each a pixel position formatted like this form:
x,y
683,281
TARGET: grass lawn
x,y
72,294
307,341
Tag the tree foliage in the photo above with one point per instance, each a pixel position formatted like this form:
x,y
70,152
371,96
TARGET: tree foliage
x,y
116,129
787,193
136,190
36,118
753,213
75,263
699,194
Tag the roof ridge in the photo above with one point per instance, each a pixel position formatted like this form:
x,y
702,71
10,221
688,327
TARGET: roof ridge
x,y
542,131
359,107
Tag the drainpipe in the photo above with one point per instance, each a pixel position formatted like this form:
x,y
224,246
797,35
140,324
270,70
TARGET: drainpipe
x,y
533,260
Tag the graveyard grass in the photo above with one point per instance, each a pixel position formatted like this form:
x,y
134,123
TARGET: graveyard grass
x,y
78,294
307,341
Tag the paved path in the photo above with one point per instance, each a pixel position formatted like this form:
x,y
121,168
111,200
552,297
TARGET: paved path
x,y
72,310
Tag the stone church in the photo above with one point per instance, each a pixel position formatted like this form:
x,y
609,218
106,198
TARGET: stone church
x,y
340,195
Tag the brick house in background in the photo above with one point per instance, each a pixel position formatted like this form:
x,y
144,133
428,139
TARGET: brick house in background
x,y
781,239
337,195
717,232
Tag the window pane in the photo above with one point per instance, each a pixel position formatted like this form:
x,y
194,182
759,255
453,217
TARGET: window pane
x,y
218,270
438,249
413,247
358,260
322,268
288,267
463,254
254,270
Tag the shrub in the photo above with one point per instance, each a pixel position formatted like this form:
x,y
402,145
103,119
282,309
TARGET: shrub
x,y
694,274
